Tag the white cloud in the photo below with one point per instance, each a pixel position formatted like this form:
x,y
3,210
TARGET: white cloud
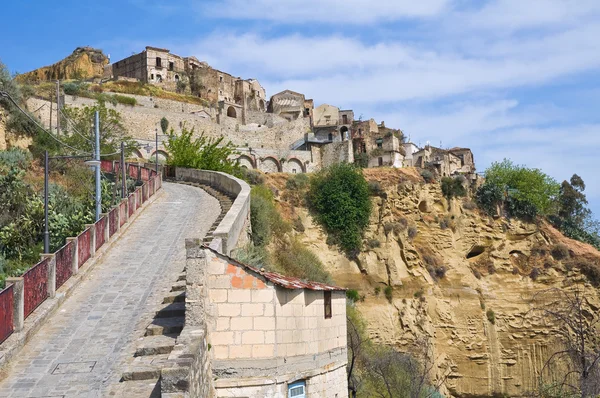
x,y
325,11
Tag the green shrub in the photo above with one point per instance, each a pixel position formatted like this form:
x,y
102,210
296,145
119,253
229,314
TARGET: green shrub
x,y
339,195
374,243
419,293
164,125
377,291
427,176
375,189
297,260
297,182
252,177
388,227
388,292
352,295
361,160
400,226
73,88
469,205
298,226
534,274
412,232
491,316
452,187
560,252
488,196
125,100
591,270
264,217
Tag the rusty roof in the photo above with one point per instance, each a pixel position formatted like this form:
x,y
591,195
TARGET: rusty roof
x,y
286,282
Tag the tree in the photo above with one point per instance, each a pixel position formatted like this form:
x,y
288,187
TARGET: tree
x,y
524,185
339,195
164,125
78,127
453,187
201,152
574,369
17,122
572,201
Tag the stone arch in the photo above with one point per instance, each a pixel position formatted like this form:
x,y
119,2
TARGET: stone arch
x,y
246,161
161,154
294,165
136,152
270,165
231,112
343,132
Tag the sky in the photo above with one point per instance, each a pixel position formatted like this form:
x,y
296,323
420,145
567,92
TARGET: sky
x,y
508,78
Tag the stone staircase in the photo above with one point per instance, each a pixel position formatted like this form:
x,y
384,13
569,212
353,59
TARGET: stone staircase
x,y
141,377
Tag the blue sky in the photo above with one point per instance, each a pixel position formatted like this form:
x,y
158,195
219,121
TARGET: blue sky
x,y
508,78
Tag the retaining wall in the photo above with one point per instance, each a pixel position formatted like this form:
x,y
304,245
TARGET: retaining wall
x,y
230,230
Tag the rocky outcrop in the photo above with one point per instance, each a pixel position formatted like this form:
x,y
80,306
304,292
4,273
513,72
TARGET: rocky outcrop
x,y
449,266
83,63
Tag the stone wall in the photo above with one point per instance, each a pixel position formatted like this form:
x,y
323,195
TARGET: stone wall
x,y
231,228
337,152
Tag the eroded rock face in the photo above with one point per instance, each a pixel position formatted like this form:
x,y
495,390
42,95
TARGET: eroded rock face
x,y
488,265
83,63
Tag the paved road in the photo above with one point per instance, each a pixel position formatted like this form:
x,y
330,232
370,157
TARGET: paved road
x,y
80,351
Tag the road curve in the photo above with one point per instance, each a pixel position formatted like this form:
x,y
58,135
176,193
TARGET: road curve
x,y
80,351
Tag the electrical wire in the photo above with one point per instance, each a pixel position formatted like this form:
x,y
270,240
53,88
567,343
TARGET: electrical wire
x,y
69,121
6,95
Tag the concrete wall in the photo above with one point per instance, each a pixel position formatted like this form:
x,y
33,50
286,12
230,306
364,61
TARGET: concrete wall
x,y
264,336
337,152
231,228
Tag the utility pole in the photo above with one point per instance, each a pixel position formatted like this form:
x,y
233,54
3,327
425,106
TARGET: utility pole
x,y
156,151
50,112
58,108
123,174
98,187
46,232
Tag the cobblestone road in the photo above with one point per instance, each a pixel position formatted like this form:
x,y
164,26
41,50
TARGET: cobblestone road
x,y
80,351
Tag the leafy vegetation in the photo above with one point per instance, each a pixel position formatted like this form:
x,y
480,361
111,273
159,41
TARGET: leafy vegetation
x,y
200,152
453,187
339,196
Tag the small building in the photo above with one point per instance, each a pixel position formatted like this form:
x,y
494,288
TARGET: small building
x,y
332,125
272,335
445,162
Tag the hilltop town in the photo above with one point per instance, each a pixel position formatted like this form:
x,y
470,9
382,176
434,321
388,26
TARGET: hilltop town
x,y
285,132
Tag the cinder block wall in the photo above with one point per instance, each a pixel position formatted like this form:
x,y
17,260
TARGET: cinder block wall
x,y
259,330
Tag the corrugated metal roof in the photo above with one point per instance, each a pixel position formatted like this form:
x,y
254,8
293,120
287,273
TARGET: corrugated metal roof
x,y
287,282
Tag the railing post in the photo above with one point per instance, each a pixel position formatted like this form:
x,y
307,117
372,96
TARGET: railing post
x,y
18,302
126,200
92,228
51,274
106,226
75,259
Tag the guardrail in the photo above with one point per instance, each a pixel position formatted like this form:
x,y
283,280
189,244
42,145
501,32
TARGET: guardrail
x,y
228,232
24,294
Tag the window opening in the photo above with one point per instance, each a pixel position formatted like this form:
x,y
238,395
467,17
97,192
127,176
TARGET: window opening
x,y
297,389
158,62
327,302
171,66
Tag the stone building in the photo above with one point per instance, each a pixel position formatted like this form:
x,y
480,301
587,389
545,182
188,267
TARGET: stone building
x,y
445,162
153,65
272,335
331,124
290,105
380,145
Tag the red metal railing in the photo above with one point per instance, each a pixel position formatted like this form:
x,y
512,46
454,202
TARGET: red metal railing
x,y
35,286
106,166
6,312
131,199
100,224
113,219
133,171
122,213
84,246
64,263
145,174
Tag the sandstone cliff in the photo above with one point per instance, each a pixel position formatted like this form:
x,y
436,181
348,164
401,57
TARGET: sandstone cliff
x,y
83,63
490,265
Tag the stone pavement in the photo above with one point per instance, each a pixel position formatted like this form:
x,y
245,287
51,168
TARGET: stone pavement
x,y
80,351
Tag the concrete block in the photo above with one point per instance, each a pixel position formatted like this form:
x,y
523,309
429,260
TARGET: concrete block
x,y
252,309
219,282
222,324
240,351
229,310
221,338
220,352
216,267
241,323
253,337
262,296
238,296
270,337
217,295
263,350
264,323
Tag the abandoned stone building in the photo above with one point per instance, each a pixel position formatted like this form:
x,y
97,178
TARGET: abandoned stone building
x,y
271,335
290,105
445,162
